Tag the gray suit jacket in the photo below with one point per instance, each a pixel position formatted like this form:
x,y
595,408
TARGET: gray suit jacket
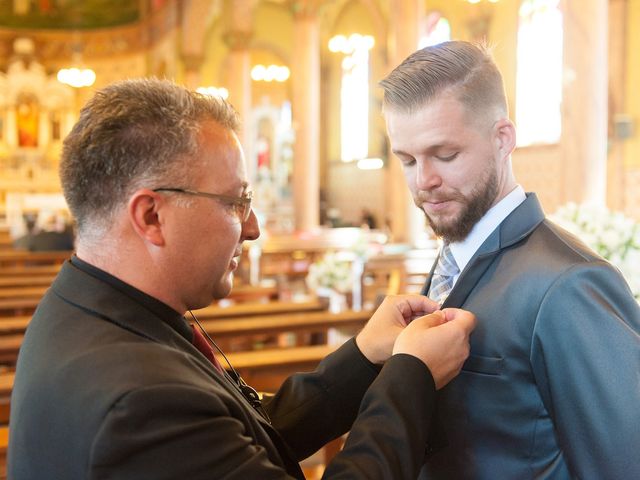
x,y
106,389
551,389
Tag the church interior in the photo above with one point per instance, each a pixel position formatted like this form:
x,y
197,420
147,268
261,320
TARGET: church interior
x,y
329,194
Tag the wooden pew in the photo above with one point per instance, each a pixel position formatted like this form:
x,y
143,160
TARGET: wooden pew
x,y
29,271
265,370
239,293
222,320
249,309
14,324
23,301
23,292
10,324
18,281
241,328
18,306
13,258
293,322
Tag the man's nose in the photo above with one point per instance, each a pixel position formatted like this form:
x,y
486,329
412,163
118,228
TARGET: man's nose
x,y
251,228
427,176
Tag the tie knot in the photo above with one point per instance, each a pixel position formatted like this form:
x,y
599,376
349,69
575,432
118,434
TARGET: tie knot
x,y
447,266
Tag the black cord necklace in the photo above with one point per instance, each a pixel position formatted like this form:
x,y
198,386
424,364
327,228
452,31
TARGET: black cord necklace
x,y
248,392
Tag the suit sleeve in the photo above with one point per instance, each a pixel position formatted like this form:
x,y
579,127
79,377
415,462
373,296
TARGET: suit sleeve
x,y
311,409
586,360
389,435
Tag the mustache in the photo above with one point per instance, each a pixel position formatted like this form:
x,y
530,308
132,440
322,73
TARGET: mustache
x,y
437,197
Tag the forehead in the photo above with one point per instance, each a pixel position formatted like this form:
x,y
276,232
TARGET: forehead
x,y
220,158
439,122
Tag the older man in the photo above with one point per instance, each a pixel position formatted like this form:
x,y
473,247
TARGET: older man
x,y
112,382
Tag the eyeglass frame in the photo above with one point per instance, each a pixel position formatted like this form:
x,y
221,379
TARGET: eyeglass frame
x,y
243,201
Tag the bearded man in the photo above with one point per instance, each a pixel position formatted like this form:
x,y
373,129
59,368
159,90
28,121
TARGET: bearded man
x,y
552,384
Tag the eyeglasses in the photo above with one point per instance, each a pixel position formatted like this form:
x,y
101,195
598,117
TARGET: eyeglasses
x,y
242,204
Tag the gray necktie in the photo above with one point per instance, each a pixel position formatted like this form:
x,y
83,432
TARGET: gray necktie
x,y
442,280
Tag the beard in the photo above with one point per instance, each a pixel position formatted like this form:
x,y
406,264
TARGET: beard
x,y
474,206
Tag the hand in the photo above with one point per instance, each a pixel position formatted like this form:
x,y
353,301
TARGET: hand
x,y
440,340
376,339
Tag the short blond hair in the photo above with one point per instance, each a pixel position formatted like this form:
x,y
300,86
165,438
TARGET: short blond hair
x,y
465,69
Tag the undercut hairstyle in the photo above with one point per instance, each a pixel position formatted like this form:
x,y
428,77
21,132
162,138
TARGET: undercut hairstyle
x,y
465,69
133,134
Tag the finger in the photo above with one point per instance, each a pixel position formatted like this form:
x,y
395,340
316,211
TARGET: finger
x,y
418,304
465,319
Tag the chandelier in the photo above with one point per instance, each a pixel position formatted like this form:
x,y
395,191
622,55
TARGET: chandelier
x,y
77,77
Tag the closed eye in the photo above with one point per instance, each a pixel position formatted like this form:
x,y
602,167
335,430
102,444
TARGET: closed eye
x,y
448,158
407,160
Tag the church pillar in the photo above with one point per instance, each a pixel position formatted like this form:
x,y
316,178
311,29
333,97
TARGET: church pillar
x,y
194,23
238,39
192,65
616,91
305,78
584,122
407,222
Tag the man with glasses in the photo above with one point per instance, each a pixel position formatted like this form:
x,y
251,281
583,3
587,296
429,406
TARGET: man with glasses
x,y
113,382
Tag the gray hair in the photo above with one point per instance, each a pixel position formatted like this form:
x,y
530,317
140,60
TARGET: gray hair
x,y
133,134
461,67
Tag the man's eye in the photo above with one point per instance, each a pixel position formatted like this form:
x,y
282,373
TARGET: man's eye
x,y
407,161
447,158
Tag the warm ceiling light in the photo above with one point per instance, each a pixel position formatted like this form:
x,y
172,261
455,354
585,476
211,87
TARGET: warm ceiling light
x,y
77,77
214,92
340,43
278,73
370,164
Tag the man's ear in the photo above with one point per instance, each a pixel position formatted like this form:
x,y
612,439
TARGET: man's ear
x,y
143,208
505,137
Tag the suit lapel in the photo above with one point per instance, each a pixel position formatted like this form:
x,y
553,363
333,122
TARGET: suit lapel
x,y
474,270
518,225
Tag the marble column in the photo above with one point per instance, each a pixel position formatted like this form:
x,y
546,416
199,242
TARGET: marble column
x,y
305,78
195,16
407,222
584,122
192,76
238,38
239,80
617,85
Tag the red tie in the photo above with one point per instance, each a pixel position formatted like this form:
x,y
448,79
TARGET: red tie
x,y
201,344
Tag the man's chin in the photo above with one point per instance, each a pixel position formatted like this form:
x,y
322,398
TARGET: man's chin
x,y
450,231
224,288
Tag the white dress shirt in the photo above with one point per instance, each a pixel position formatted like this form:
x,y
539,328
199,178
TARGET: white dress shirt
x,y
464,250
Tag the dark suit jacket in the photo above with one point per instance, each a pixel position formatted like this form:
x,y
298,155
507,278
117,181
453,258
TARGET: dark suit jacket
x,y
551,389
106,389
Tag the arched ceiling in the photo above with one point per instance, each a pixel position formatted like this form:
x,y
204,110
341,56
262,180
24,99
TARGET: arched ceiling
x,y
71,14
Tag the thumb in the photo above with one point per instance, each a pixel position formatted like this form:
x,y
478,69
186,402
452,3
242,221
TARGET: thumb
x,y
433,319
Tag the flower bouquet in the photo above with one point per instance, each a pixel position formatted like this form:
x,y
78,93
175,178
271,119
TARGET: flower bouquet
x,y
331,277
611,234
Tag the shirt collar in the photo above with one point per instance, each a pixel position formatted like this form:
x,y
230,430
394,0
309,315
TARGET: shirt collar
x,y
158,308
464,250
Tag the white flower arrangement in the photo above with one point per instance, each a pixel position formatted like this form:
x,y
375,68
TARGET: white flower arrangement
x,y
611,234
330,272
